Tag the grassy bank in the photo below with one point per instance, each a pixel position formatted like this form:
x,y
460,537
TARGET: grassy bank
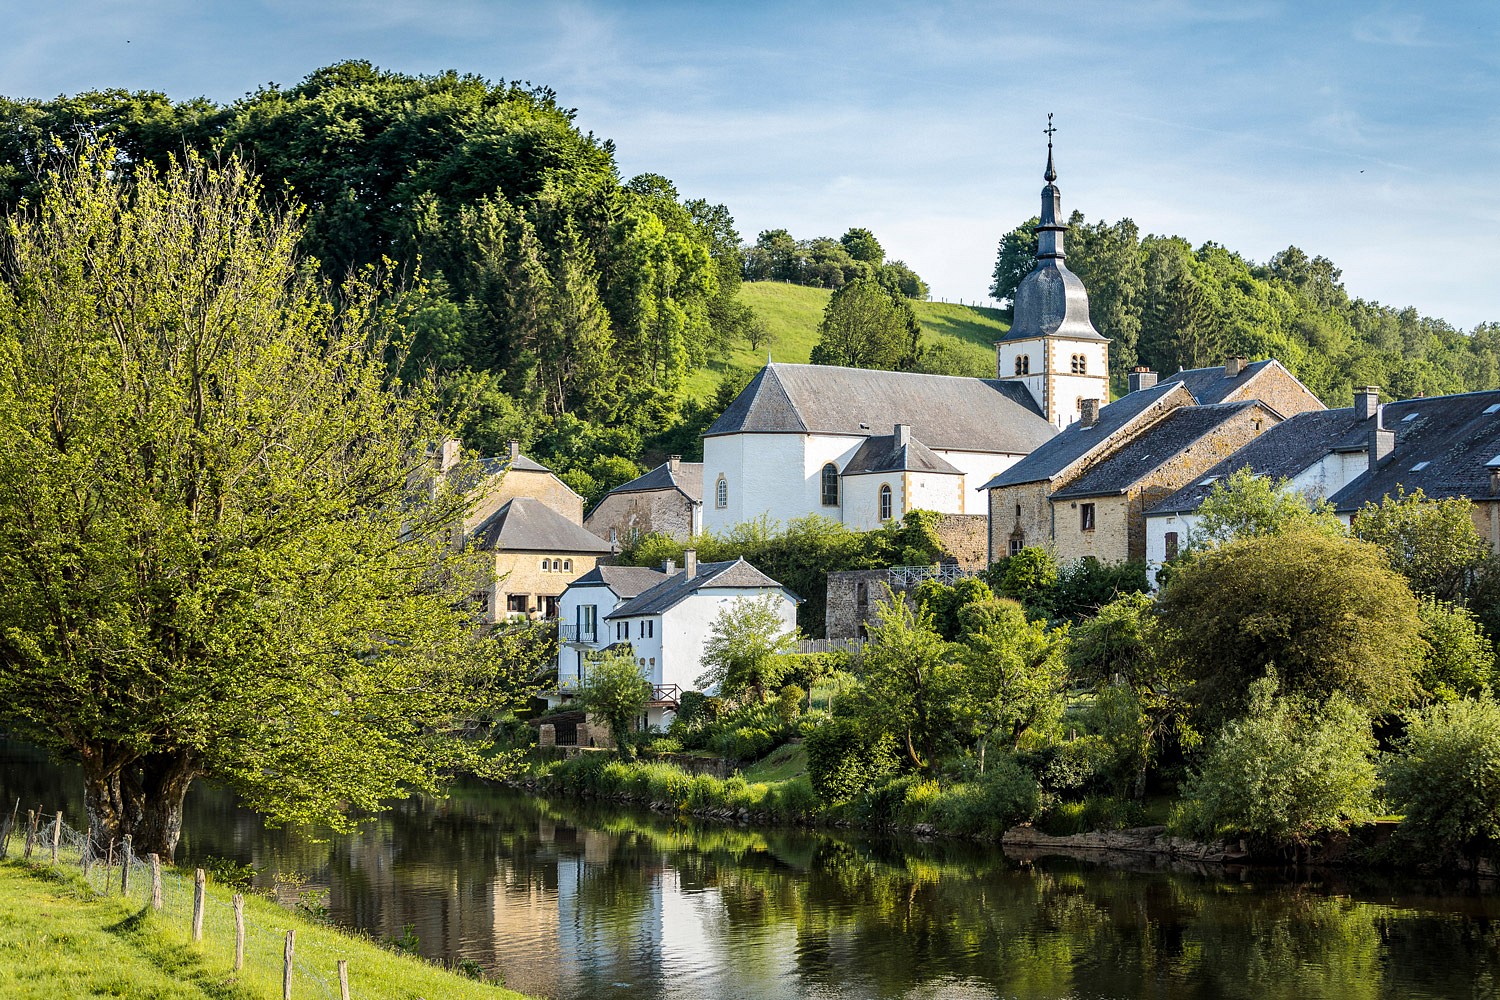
x,y
59,939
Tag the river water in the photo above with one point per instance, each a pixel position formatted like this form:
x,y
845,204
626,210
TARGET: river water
x,y
582,901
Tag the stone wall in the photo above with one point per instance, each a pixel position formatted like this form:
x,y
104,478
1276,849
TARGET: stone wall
x,y
543,486
630,515
1022,512
965,536
522,573
852,594
1278,389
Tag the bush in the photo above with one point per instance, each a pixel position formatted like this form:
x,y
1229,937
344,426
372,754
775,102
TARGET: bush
x,y
789,703
1005,795
1445,776
1094,813
844,760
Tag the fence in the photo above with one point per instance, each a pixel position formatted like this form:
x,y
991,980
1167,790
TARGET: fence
x,y
910,576
261,953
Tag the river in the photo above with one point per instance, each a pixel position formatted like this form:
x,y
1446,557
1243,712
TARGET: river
x,y
571,900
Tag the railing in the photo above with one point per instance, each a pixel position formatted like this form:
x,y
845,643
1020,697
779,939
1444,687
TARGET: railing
x,y
910,576
666,692
577,633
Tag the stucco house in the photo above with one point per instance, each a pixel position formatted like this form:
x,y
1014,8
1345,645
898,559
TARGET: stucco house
x,y
668,500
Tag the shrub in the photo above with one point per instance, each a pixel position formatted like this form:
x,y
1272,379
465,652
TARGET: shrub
x,y
1005,795
789,703
1097,812
1445,776
843,759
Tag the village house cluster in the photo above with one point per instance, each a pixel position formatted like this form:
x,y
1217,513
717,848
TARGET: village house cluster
x,y
1036,456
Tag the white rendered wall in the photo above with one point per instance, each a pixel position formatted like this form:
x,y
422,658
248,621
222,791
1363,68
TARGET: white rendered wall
x,y
1071,388
1330,474
684,629
1036,353
1157,527
777,475
605,600
862,499
978,467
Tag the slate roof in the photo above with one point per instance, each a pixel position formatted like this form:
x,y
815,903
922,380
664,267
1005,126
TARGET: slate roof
x,y
1051,302
1458,442
625,581
1282,452
944,411
679,586
689,480
1208,385
882,454
1146,452
1076,441
526,525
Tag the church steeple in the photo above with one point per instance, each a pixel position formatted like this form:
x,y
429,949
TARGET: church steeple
x,y
1050,229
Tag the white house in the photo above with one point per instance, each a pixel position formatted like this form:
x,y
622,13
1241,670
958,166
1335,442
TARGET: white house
x,y
1318,453
581,632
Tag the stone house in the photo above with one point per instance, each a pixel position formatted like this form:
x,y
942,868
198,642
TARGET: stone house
x,y
515,475
538,553
668,500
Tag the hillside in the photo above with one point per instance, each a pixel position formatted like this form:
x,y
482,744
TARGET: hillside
x,y
792,314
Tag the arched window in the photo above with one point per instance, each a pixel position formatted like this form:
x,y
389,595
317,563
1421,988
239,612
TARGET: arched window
x,y
1023,364
721,493
830,485
1080,364
546,565
885,502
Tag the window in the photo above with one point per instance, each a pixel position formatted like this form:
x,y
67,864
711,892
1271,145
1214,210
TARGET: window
x,y
588,622
648,629
1086,516
830,485
1420,466
626,627
567,565
1080,364
1492,408
1023,364
1018,512
1017,543
546,565
1171,545
885,502
516,602
721,493
549,607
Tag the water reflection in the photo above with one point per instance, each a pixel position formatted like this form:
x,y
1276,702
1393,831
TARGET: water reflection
x,y
569,900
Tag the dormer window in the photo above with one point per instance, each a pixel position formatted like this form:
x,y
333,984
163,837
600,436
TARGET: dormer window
x,y
1080,364
1023,364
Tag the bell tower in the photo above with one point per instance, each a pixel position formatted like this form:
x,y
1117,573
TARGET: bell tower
x,y
1052,347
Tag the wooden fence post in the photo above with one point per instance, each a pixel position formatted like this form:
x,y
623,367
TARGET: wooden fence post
x,y
198,879
30,834
239,932
155,881
109,866
286,966
343,979
56,835
125,856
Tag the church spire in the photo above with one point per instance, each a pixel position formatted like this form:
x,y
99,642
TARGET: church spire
x,y
1050,228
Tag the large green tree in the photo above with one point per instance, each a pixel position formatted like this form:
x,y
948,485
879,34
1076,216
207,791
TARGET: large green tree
x,y
744,651
216,555
866,325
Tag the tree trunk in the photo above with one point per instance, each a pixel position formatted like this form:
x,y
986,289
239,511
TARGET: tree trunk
x,y
136,796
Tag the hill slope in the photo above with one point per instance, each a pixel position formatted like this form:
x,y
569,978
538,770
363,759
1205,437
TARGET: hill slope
x,y
792,314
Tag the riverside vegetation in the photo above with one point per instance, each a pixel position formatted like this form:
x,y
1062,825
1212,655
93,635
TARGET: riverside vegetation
x,y
1291,681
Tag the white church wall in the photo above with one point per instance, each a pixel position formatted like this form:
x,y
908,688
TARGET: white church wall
x,y
778,475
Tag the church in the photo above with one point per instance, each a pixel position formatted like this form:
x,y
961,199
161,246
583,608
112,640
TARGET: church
x,y
863,447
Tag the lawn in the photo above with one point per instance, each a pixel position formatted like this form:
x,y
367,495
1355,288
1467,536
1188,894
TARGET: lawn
x,y
782,764
59,939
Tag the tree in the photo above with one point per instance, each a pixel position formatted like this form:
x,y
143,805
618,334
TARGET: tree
x,y
1244,505
1288,771
910,682
1327,613
861,244
745,646
1013,673
1107,258
1458,660
1433,543
615,690
865,325
1445,778
216,556
1014,260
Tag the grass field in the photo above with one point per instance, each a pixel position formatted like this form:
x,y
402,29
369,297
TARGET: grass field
x,y
792,314
59,939
781,764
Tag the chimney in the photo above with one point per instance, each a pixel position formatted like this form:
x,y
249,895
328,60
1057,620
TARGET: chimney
x,y
1382,441
1088,412
690,563
1494,481
673,462
1140,377
448,454
903,435
1234,366
515,450
669,567
1366,401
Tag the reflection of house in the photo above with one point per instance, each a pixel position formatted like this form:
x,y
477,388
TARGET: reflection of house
x,y
668,500
537,553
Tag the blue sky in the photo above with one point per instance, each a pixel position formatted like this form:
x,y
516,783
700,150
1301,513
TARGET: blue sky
x,y
1367,132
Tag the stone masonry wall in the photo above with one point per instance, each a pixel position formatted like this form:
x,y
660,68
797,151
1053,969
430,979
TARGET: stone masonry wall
x,y
965,536
1032,522
543,486
667,512
1278,389
852,595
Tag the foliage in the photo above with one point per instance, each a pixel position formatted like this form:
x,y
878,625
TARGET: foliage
x,y
1433,543
1458,660
1326,612
1244,505
1025,576
866,325
656,782
745,734
614,689
911,684
745,649
1445,777
789,702
205,511
1287,772
1086,585
946,602
828,263
1012,674
844,758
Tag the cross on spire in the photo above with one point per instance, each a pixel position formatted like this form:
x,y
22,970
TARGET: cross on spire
x,y
1050,129
1051,174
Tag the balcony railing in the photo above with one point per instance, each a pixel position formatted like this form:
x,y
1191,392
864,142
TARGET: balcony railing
x,y
573,632
666,692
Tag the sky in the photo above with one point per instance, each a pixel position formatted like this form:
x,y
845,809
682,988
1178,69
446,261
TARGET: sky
x,y
1367,132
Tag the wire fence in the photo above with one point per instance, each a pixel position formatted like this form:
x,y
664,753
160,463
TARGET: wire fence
x,y
256,950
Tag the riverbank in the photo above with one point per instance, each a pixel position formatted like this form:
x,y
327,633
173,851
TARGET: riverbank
x,y
59,939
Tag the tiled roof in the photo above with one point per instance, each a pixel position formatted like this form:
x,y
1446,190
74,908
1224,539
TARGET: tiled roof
x,y
1445,446
882,454
689,480
526,525
1282,452
1076,441
944,411
679,586
625,581
1209,385
1146,452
